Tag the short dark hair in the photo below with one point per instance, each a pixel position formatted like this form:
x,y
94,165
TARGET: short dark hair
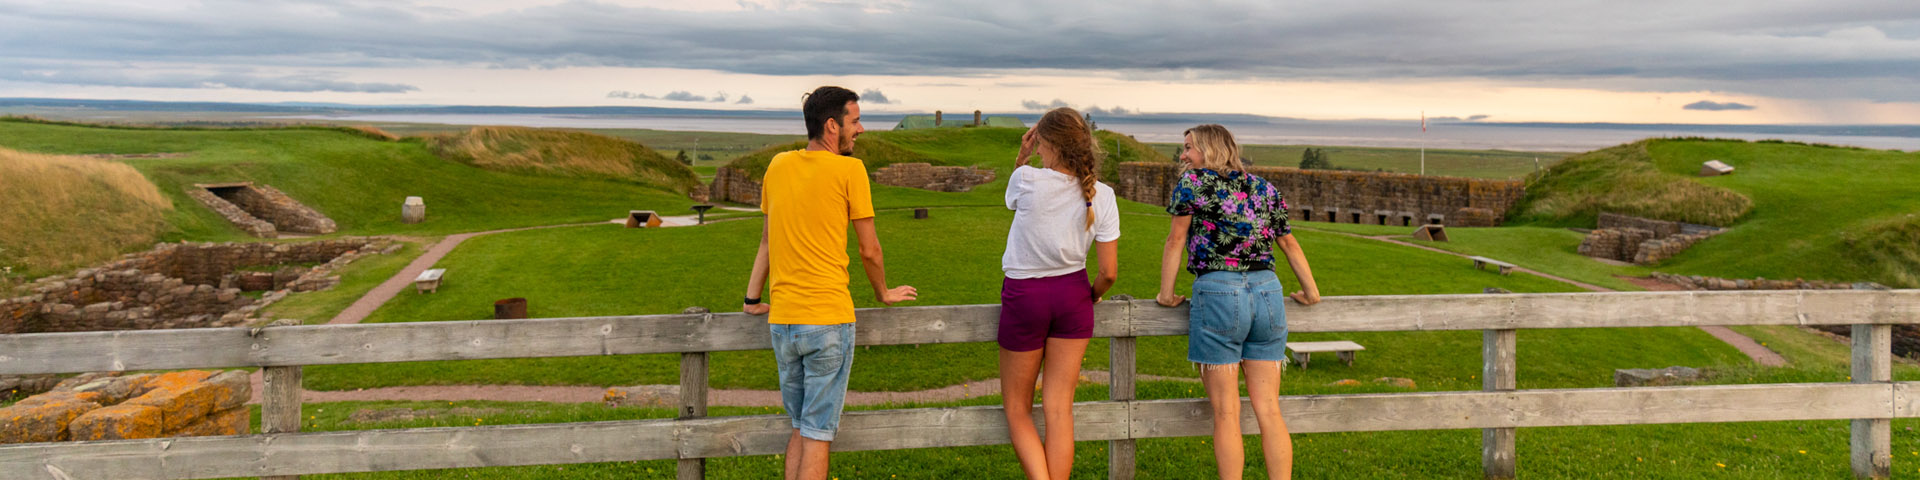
x,y
826,103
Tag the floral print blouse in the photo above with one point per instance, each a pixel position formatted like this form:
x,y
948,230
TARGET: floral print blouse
x,y
1236,218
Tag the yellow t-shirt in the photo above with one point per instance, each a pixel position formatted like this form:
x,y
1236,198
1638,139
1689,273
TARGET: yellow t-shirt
x,y
809,198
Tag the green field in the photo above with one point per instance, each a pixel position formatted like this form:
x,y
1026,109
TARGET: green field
x,y
1813,200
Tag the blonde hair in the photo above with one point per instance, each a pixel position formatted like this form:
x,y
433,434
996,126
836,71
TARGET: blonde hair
x,y
1067,132
1217,149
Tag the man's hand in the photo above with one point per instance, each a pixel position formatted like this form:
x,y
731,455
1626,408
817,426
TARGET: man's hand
x,y
899,294
757,309
1305,298
1169,299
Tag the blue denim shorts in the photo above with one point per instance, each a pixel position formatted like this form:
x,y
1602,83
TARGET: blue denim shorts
x,y
1237,316
815,361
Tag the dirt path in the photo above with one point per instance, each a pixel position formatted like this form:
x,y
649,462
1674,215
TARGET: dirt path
x,y
1754,350
717,397
399,282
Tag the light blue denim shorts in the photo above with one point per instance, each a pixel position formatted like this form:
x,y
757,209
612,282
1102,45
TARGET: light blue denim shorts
x,y
1237,316
815,361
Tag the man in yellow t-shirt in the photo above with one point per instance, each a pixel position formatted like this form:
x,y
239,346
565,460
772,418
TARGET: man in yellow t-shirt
x,y
810,197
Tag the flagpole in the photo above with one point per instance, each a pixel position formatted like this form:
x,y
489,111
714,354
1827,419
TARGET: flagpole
x,y
1423,143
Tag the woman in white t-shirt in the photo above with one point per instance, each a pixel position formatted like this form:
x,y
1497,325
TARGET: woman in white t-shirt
x,y
1046,301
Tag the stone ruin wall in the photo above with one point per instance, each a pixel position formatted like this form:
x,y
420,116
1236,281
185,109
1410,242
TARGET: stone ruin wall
x,y
1642,241
734,185
925,176
1371,198
184,285
261,210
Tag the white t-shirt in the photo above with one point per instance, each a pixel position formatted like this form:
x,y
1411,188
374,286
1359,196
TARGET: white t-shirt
x,y
1049,236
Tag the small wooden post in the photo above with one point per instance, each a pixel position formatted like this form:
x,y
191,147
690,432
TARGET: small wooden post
x,y
1120,453
693,402
1872,438
280,398
1499,354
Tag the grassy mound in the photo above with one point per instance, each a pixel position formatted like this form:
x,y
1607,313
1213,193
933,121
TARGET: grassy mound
x,y
65,211
1120,148
876,152
1624,179
562,153
348,175
1891,246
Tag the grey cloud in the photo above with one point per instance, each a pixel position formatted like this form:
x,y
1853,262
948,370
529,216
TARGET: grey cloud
x,y
627,94
1473,118
1036,105
683,96
722,98
1477,118
1115,111
134,77
874,96
1713,106
744,100
1776,47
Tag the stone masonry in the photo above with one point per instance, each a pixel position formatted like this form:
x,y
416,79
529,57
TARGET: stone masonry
x,y
1643,241
261,210
184,285
925,176
114,407
1371,198
734,185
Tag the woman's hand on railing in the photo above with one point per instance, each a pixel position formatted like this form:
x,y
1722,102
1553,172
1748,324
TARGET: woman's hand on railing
x,y
1169,299
1305,298
757,309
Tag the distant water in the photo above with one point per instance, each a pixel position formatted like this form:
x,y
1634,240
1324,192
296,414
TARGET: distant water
x,y
1248,130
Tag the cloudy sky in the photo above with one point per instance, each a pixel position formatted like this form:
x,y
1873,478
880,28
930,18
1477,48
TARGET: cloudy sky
x,y
1760,61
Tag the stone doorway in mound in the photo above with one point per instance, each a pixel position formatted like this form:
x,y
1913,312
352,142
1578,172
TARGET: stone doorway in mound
x,y
261,210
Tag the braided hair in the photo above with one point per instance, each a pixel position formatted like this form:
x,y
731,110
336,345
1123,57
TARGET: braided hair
x,y
1067,132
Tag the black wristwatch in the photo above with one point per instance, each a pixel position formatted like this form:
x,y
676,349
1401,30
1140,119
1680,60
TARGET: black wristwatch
x,y
751,301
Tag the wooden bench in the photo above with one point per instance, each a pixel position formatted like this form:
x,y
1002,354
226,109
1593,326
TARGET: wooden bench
x,y
429,281
1479,262
1302,351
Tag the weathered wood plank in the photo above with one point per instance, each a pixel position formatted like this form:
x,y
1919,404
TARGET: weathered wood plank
x,y
1499,356
682,333
693,404
280,404
1870,439
1531,408
334,452
1120,361
434,448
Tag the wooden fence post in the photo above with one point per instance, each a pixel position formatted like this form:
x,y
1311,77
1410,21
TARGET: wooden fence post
x,y
1872,438
693,402
1120,357
280,397
1499,355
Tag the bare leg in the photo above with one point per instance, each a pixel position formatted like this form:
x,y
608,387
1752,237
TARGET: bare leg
x,y
793,455
1223,392
1017,372
1056,399
813,459
1263,386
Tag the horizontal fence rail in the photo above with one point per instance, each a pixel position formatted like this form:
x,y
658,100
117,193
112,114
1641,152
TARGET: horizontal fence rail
x,y
691,333
1871,400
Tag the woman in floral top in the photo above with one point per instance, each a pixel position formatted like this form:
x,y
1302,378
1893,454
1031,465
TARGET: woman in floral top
x,y
1238,319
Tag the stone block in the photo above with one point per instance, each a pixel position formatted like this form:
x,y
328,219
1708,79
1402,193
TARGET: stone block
x,y
44,420
1644,377
1715,168
119,422
413,210
234,421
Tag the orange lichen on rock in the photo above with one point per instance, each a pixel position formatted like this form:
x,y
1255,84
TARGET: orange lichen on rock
x,y
119,422
40,419
226,422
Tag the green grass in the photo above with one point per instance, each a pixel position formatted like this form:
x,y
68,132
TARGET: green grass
x,y
1826,213
1623,179
1551,250
356,280
357,181
1449,163
952,259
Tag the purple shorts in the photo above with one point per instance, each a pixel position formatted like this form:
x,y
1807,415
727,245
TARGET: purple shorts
x,y
1035,309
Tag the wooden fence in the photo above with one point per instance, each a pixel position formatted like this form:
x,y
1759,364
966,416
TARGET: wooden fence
x,y
1871,400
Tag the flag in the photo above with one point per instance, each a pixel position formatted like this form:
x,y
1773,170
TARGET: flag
x,y
1423,121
